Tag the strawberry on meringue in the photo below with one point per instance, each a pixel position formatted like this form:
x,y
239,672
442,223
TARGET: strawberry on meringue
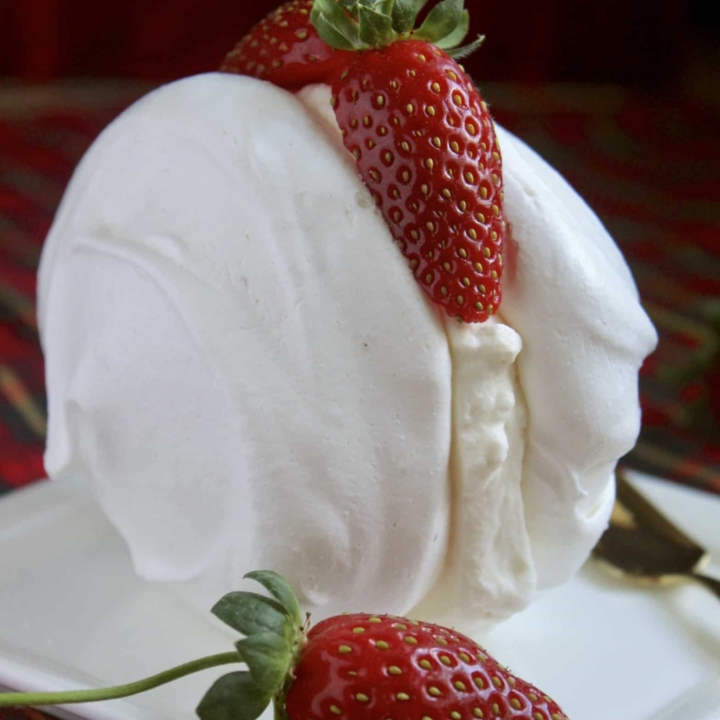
x,y
243,371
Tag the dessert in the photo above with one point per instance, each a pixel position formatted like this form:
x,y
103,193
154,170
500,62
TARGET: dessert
x,y
244,371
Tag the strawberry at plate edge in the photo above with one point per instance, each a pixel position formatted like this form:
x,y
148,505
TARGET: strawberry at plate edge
x,y
359,667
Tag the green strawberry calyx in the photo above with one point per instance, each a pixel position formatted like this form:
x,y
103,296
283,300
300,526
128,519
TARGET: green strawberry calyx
x,y
274,634
366,24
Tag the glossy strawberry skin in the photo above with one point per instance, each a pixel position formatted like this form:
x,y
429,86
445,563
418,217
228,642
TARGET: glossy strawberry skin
x,y
425,146
365,667
285,49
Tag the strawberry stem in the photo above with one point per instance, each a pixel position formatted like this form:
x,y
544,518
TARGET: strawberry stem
x,y
365,24
19,699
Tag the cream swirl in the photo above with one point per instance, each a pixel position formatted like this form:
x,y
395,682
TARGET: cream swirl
x,y
242,369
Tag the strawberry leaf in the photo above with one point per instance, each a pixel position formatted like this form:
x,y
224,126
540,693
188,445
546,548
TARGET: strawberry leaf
x,y
268,658
279,588
465,50
233,697
457,35
405,13
376,28
350,6
334,25
385,6
250,613
441,21
381,6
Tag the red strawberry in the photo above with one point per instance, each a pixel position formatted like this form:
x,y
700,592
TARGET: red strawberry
x,y
285,49
365,667
421,134
425,146
361,667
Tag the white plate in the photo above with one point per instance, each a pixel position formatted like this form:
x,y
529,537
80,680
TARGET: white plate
x,y
73,614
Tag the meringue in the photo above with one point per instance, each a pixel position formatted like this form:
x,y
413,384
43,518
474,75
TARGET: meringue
x,y
242,370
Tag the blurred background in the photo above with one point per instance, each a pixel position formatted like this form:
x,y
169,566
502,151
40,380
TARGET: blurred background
x,y
660,44
622,96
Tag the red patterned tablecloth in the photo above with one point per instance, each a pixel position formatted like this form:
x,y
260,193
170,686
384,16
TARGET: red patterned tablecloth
x,y
649,168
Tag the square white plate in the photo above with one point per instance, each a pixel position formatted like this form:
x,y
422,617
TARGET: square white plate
x,y
73,614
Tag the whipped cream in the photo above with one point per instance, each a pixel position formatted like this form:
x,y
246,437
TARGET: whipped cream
x,y
242,369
